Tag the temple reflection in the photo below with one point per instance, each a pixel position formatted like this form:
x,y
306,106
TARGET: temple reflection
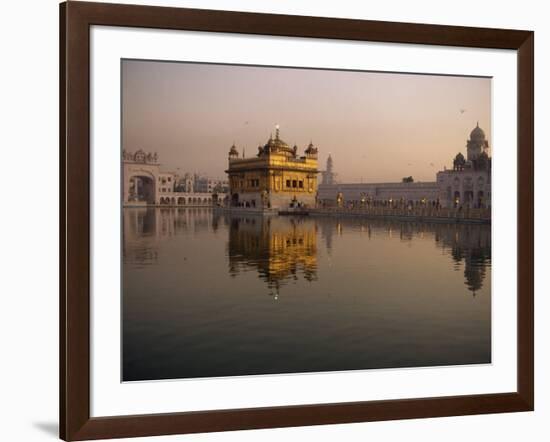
x,y
284,249
281,249
468,245
145,228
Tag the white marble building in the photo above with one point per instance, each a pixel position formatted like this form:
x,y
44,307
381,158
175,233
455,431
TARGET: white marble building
x,y
145,184
467,184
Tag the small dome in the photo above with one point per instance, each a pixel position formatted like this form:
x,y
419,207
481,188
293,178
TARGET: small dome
x,y
233,151
312,150
477,133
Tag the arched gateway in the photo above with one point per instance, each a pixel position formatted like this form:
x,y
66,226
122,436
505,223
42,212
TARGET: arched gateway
x,y
144,184
141,189
140,176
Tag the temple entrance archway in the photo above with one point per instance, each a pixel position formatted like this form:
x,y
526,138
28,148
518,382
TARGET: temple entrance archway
x,y
141,189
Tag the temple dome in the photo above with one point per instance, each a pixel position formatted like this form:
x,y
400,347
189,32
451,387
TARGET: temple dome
x,y
477,133
277,145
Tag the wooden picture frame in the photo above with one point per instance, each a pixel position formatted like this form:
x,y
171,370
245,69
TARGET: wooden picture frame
x,y
75,21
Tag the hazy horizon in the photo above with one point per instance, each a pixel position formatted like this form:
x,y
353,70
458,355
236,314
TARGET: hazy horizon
x,y
378,127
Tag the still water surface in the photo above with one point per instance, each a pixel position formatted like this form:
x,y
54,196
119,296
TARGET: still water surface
x,y
207,294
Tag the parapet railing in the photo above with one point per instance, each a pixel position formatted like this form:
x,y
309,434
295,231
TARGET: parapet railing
x,y
480,214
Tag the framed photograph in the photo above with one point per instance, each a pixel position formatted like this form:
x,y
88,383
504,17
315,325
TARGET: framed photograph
x,y
272,221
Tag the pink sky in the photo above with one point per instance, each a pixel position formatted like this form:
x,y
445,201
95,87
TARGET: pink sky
x,y
379,127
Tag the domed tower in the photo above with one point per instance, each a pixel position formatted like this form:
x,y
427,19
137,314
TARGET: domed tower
x,y
476,144
233,153
311,150
459,162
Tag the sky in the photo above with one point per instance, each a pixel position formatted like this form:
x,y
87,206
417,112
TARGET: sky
x,y
378,127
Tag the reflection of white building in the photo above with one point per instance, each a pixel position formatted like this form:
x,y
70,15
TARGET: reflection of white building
x,y
468,184
145,184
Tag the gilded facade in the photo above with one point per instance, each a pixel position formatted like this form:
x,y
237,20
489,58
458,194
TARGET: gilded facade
x,y
276,178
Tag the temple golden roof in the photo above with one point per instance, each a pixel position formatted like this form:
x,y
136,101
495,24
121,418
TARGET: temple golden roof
x,y
277,145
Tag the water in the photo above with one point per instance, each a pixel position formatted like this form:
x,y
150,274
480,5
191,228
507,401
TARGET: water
x,y
208,295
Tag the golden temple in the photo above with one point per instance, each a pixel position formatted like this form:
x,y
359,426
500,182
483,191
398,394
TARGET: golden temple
x,y
276,178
